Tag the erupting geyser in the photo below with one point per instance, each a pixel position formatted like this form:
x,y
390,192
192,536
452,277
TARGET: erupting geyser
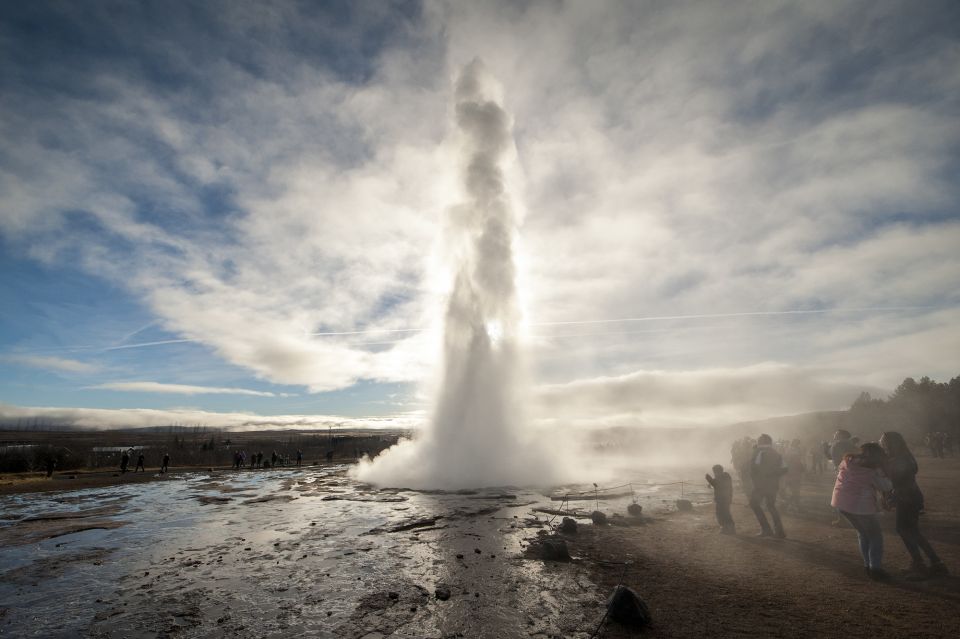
x,y
474,438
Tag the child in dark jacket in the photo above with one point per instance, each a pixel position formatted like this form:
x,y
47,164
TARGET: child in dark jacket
x,y
722,485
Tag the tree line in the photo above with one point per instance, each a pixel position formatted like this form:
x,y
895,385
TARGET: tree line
x,y
915,409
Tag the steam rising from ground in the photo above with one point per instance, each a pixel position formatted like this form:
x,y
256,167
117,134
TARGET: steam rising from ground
x,y
475,437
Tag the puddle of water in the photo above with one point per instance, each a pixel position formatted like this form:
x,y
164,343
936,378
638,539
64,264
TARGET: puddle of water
x,y
279,558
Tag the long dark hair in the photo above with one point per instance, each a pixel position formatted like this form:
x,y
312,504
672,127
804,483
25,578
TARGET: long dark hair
x,y
896,444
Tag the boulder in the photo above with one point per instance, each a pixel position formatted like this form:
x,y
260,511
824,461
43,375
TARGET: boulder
x,y
598,518
684,505
625,607
554,550
568,526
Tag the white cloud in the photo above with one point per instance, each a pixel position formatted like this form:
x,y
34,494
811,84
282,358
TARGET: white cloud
x,y
699,398
58,364
182,389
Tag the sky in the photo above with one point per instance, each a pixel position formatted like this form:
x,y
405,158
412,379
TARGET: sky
x,y
233,212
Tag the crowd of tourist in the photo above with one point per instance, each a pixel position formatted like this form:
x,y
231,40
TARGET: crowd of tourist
x,y
870,478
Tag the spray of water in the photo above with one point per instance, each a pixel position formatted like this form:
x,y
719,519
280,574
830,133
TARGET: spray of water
x,y
475,437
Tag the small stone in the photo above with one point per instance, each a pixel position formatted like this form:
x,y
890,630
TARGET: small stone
x,y
442,593
459,556
393,595
477,550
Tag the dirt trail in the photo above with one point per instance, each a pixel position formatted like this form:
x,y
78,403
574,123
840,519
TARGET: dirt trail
x,y
699,583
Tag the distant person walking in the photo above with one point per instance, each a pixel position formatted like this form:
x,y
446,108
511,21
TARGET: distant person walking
x,y
794,477
164,465
299,458
902,470
766,468
722,484
124,461
859,479
140,460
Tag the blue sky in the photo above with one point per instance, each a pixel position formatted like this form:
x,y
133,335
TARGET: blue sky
x,y
258,191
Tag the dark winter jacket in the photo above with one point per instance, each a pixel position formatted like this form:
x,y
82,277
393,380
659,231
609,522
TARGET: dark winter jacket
x,y
766,469
722,487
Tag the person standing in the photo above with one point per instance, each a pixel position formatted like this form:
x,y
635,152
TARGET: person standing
x,y
722,484
859,478
165,463
794,477
841,446
766,468
124,461
140,460
902,469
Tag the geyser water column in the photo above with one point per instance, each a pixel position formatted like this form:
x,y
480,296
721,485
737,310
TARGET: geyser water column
x,y
475,436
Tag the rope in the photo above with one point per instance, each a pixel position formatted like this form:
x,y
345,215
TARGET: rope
x,y
630,485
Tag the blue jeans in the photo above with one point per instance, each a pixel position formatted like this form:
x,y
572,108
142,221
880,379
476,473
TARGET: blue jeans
x,y
871,538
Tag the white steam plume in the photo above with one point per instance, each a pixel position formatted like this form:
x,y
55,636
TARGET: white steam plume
x,y
475,436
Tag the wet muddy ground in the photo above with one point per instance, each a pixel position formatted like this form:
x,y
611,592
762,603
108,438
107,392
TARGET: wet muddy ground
x,y
270,553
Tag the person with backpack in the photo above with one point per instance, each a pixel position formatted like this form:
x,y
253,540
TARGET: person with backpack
x,y
766,469
859,478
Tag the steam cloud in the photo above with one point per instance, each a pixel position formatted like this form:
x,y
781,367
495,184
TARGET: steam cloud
x,y
475,436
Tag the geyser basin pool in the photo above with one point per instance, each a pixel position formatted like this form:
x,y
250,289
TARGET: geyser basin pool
x,y
277,552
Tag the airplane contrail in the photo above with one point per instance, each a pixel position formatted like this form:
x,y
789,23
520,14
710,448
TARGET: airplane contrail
x,y
143,344
656,318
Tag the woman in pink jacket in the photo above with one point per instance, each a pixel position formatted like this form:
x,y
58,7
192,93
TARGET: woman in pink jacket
x,y
859,477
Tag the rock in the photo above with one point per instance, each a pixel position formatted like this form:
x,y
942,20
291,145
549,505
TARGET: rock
x,y
459,556
442,593
393,595
684,505
626,607
568,526
634,510
554,550
598,518
477,550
